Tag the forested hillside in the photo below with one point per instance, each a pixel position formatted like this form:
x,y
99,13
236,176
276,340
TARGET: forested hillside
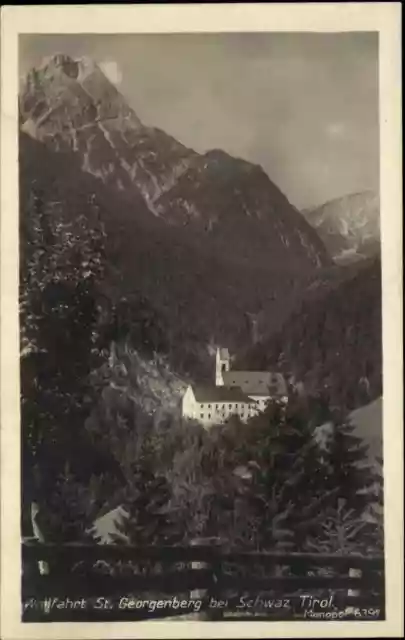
x,y
332,341
201,291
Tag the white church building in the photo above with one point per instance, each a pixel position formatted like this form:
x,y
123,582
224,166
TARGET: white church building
x,y
241,393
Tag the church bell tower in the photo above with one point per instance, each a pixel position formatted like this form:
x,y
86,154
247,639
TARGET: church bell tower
x,y
221,365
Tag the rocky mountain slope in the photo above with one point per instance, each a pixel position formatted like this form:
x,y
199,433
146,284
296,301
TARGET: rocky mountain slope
x,y
70,104
208,239
349,226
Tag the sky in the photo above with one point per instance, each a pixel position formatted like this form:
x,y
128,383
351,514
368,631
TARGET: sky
x,y
302,105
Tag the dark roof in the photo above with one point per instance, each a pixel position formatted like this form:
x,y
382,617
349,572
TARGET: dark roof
x,y
257,383
219,394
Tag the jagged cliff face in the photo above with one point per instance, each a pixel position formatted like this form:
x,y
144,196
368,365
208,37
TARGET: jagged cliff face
x,y
349,226
147,381
70,105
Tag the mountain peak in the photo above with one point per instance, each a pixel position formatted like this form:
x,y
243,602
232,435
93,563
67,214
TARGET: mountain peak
x,y
87,66
59,63
69,104
349,225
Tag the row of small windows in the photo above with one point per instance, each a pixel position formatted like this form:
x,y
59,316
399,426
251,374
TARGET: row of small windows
x,y
223,406
249,410
242,409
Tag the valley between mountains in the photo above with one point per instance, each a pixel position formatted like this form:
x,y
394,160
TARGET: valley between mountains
x,y
138,258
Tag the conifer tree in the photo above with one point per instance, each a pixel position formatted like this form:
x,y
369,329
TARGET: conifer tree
x,y
348,466
68,514
295,484
149,521
147,502
61,270
287,477
341,531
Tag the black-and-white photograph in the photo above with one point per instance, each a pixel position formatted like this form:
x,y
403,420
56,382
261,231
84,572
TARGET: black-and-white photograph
x,y
200,308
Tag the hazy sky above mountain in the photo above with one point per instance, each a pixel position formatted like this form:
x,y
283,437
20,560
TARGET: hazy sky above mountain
x,y
304,106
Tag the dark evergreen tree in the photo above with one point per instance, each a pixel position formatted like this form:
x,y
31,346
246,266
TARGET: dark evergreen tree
x,y
348,466
61,269
149,521
68,514
289,483
146,500
295,483
340,531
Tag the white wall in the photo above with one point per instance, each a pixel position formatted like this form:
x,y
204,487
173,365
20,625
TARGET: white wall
x,y
209,413
188,404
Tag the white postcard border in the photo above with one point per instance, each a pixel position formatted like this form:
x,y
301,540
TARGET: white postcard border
x,y
244,17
